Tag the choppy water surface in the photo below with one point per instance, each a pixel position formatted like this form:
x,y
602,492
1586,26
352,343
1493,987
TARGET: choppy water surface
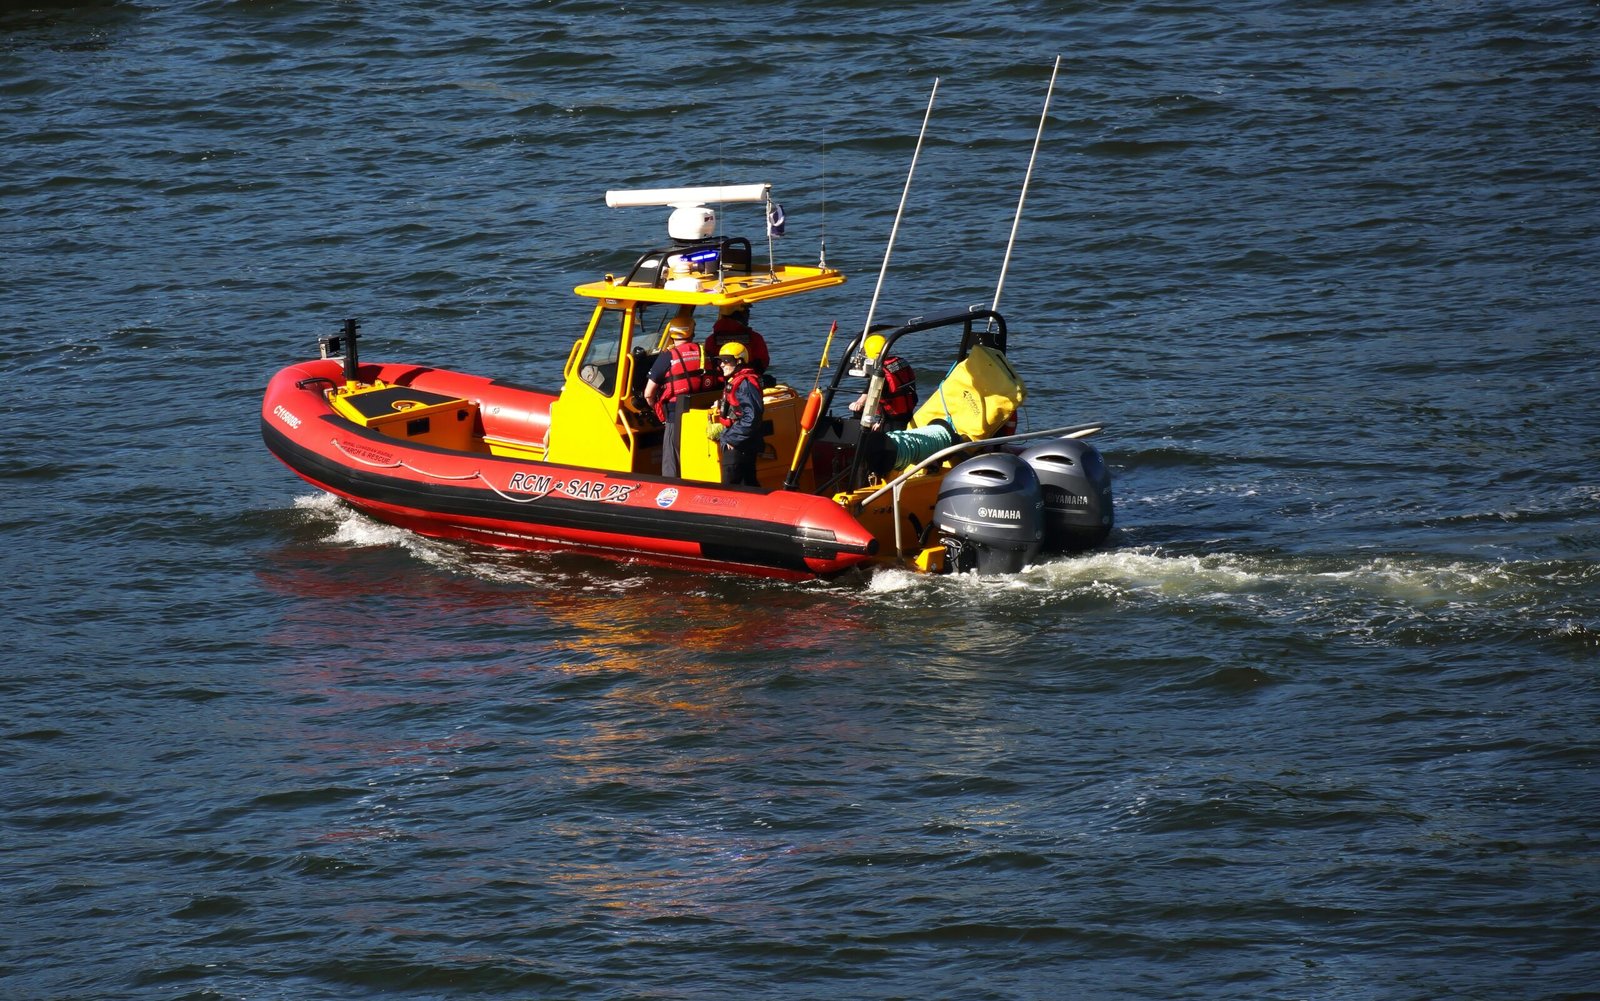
x,y
1319,723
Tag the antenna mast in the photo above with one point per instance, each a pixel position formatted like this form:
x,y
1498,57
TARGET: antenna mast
x,y
873,308
1006,264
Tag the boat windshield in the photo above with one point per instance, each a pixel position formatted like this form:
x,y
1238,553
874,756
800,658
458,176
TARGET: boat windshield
x,y
599,365
649,323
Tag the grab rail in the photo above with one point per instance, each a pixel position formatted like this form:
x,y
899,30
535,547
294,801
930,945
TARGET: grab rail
x,y
898,483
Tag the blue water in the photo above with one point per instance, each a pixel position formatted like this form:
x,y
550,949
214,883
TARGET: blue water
x,y
1319,722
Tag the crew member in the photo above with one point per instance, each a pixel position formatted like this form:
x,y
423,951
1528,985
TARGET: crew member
x,y
739,416
678,372
733,325
899,399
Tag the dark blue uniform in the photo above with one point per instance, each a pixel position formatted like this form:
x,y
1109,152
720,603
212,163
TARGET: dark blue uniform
x,y
741,414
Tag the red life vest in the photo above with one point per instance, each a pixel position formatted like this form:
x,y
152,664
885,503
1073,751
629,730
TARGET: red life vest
x,y
729,412
899,397
685,374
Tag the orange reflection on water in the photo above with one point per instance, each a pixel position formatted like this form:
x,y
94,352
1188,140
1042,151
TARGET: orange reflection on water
x,y
675,753
638,695
665,625
679,874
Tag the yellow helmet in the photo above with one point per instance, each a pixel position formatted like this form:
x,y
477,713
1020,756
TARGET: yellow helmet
x,y
734,309
733,349
681,328
873,346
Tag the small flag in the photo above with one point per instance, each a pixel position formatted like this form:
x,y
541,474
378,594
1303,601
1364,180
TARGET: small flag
x,y
774,219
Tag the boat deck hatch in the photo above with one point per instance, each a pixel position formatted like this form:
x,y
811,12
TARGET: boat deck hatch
x,y
369,405
414,414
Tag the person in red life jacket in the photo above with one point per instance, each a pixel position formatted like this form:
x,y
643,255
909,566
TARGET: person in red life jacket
x,y
677,373
739,416
899,399
733,326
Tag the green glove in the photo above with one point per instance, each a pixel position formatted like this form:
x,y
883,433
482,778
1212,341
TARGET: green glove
x,y
714,431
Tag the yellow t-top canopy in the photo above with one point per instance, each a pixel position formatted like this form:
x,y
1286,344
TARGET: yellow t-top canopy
x,y
787,280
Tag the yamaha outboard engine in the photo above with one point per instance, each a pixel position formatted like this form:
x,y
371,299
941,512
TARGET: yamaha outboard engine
x,y
1077,493
990,515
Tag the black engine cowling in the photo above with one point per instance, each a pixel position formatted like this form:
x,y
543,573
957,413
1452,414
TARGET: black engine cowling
x,y
990,515
1077,493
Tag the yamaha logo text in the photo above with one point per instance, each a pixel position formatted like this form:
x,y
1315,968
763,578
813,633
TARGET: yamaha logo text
x,y
1000,512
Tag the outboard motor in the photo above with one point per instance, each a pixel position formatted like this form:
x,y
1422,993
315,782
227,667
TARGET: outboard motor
x,y
1077,493
990,515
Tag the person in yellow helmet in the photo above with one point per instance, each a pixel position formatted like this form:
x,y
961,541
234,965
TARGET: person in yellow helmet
x,y
737,426
899,399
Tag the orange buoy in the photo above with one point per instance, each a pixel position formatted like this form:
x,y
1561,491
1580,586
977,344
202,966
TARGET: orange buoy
x,y
808,419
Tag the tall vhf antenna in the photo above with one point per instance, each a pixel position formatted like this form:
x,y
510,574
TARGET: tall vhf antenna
x,y
873,308
1006,264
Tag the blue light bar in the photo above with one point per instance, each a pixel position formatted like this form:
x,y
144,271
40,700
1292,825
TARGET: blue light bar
x,y
702,256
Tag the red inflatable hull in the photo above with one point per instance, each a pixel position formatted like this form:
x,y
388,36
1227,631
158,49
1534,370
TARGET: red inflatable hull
x,y
528,504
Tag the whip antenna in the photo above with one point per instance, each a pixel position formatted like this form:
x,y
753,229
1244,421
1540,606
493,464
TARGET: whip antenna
x,y
1024,197
822,252
873,308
